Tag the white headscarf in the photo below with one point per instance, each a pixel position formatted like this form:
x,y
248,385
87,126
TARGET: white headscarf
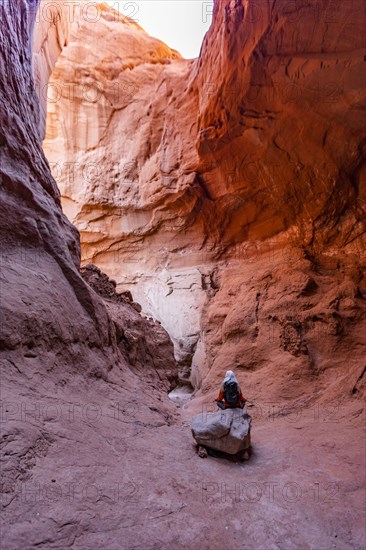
x,y
230,377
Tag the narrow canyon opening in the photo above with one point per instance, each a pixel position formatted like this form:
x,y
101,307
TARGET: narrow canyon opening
x,y
166,219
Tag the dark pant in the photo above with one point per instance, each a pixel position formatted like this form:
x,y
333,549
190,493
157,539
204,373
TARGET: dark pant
x,y
222,406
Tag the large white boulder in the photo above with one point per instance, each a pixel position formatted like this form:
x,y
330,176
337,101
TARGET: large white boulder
x,y
226,430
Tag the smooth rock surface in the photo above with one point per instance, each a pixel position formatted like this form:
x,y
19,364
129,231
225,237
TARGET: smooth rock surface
x,y
226,430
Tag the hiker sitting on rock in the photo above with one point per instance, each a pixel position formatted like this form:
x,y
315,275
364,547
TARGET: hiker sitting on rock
x,y
230,395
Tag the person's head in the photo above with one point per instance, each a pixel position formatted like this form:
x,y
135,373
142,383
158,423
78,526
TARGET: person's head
x,y
230,376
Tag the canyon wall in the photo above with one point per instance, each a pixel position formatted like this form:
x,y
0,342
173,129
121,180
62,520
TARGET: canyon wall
x,y
227,192
63,345
50,315
94,454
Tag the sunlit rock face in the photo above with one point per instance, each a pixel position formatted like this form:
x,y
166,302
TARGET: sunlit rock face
x,y
129,76
51,319
52,30
195,183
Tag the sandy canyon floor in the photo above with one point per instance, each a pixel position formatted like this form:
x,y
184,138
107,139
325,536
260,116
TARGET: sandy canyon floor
x,y
109,472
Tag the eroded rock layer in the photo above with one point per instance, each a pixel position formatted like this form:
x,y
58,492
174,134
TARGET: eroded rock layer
x,y
93,453
65,353
185,177
53,306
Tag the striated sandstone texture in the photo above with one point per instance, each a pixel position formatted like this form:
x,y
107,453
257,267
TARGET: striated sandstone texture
x,y
93,453
49,313
228,192
71,364
51,319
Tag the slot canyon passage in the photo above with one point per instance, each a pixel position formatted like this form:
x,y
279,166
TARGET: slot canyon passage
x,y
164,220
